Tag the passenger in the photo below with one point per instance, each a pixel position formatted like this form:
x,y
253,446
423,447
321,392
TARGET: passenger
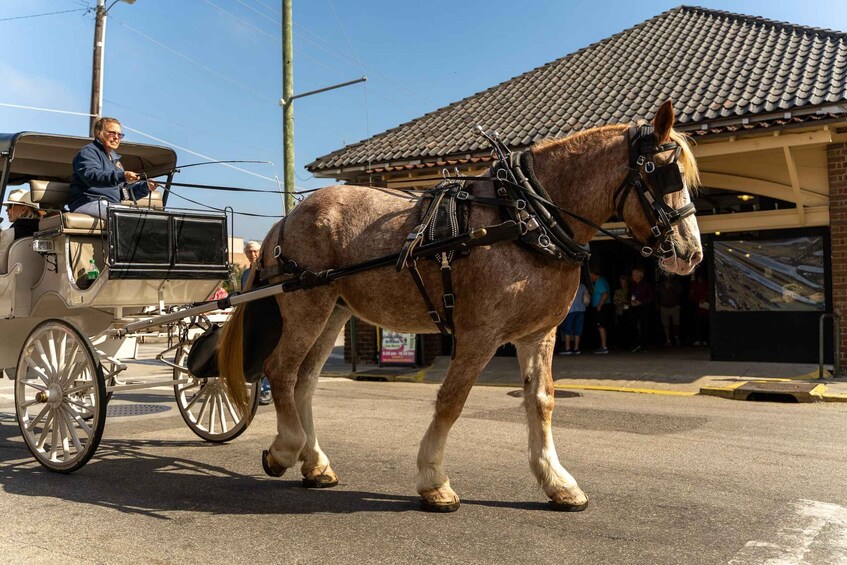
x,y
23,215
99,178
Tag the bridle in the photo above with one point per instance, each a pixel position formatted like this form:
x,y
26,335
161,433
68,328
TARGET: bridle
x,y
652,183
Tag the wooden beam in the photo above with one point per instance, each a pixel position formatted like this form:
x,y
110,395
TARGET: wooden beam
x,y
795,184
762,188
749,221
729,147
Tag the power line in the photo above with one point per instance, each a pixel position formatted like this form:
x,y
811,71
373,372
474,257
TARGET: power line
x,y
45,14
193,62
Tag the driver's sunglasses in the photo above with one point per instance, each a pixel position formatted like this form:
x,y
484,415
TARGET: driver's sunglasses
x,y
117,134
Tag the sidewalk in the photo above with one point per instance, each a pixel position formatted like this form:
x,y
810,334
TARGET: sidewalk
x,y
684,371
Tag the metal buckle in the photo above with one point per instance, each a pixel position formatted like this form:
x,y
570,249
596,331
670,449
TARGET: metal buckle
x,y
449,300
502,175
656,231
277,252
433,315
543,240
462,195
520,204
640,161
646,251
649,167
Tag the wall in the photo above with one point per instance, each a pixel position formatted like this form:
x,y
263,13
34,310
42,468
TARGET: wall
x,y
837,172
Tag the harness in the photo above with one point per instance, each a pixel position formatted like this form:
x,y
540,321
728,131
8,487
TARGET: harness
x,y
530,217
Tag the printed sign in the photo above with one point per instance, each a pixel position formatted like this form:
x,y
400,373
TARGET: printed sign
x,y
397,348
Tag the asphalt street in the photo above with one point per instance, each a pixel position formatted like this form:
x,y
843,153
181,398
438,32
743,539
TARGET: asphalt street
x,y
671,480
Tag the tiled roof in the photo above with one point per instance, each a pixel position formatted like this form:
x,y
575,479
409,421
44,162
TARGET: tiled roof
x,y
720,69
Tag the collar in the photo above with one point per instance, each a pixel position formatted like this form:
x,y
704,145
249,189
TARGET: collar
x,y
113,156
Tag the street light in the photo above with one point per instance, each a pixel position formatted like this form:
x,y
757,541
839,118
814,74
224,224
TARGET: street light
x,y
97,66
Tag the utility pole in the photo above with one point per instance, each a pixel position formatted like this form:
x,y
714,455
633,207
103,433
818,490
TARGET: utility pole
x,y
97,66
287,103
287,107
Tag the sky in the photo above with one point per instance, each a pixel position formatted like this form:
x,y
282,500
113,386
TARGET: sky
x,y
205,76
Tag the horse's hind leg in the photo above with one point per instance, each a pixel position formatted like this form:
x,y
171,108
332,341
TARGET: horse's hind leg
x,y
535,353
317,472
433,482
305,315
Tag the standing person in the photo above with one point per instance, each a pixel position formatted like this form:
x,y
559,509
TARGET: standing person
x,y
623,324
99,178
640,301
669,294
698,297
251,251
571,329
600,301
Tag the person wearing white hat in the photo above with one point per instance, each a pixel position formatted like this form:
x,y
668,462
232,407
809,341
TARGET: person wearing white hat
x,y
24,216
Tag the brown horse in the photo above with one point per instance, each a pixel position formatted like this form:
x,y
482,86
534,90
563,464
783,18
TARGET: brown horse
x,y
505,293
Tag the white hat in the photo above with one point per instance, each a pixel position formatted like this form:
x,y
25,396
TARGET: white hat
x,y
20,197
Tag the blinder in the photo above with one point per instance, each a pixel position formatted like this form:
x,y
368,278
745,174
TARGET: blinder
x,y
652,183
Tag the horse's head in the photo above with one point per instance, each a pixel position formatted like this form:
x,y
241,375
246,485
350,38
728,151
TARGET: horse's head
x,y
655,200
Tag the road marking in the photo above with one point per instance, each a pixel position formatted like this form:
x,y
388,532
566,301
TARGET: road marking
x,y
815,533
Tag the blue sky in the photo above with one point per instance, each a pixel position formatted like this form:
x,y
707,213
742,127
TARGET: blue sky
x,y
205,75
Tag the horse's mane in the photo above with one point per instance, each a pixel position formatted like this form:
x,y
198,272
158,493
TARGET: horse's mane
x,y
575,144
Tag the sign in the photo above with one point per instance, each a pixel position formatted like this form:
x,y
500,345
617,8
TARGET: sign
x,y
397,348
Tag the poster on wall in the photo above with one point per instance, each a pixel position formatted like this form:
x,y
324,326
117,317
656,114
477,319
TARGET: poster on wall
x,y
770,275
397,348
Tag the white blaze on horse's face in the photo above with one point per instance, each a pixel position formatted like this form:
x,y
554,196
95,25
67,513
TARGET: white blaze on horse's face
x,y
688,251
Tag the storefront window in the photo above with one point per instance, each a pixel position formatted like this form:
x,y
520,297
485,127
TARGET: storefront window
x,y
770,275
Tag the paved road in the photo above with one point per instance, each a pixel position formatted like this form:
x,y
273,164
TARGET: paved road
x,y
671,480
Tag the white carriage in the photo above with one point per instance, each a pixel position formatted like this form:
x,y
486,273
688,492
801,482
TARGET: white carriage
x,y
61,331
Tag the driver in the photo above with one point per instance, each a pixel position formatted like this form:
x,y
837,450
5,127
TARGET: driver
x,y
99,178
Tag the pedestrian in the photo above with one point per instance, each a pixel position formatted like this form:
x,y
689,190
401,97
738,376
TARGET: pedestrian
x,y
641,300
669,296
571,329
602,305
623,321
99,178
698,297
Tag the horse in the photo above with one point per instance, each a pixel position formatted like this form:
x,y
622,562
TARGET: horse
x,y
504,293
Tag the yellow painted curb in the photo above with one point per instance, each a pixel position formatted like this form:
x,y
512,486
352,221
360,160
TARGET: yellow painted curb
x,y
626,389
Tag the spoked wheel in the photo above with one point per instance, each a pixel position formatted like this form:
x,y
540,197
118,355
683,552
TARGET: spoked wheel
x,y
60,396
205,404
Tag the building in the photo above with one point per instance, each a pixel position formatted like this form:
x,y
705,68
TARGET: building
x,y
766,103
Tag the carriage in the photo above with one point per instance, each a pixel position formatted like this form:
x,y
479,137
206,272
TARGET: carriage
x,y
63,329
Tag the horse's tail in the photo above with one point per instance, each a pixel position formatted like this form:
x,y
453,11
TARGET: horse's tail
x,y
231,345
230,363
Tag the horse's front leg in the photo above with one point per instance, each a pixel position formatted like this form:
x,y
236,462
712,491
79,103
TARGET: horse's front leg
x,y
317,472
433,482
535,353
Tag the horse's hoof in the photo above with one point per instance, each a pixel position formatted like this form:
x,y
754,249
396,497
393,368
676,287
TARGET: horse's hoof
x,y
565,507
443,507
320,481
270,466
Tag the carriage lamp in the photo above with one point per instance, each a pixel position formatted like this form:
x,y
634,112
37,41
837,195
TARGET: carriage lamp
x,y
42,245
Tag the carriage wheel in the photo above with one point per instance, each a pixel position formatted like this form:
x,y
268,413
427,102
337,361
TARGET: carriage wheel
x,y
205,404
60,396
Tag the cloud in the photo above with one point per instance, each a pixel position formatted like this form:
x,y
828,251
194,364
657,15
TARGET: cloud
x,y
28,89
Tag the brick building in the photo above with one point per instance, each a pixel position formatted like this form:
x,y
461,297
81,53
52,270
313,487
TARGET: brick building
x,y
766,103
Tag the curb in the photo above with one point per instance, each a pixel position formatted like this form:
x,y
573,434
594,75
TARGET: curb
x,y
625,389
774,390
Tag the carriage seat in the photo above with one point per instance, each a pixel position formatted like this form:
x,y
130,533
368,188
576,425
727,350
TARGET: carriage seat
x,y
52,195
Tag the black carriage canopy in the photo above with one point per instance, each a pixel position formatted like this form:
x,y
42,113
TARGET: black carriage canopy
x,y
27,155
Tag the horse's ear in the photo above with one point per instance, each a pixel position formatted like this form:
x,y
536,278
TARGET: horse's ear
x,y
663,122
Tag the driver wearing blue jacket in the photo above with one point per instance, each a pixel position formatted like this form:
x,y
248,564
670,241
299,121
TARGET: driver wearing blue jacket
x,y
99,178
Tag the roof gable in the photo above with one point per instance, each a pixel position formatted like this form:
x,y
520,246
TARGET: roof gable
x,y
714,65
